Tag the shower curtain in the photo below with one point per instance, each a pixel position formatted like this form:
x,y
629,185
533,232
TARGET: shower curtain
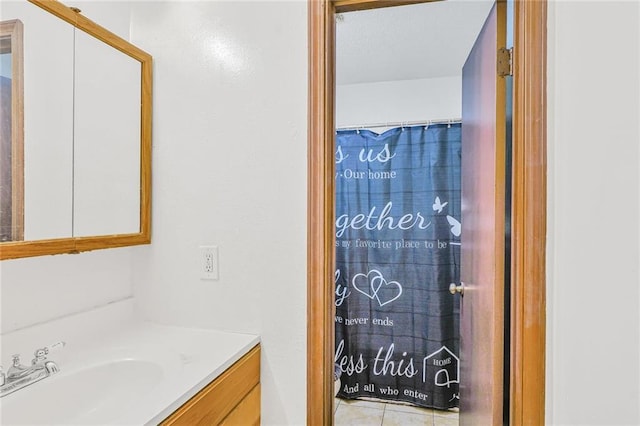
x,y
397,250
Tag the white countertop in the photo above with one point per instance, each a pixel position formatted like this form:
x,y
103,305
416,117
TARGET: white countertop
x,y
122,371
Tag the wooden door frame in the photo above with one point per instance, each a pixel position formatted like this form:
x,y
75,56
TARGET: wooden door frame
x,y
528,229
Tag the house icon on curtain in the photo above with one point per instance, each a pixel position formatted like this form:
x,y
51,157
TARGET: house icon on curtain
x,y
442,366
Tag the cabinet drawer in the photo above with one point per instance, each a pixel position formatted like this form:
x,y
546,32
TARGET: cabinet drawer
x,y
247,412
238,387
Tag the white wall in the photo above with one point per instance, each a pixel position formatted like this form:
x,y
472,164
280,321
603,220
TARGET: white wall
x,y
41,289
402,100
229,169
593,327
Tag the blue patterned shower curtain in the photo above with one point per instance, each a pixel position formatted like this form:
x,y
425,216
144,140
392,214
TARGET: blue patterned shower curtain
x,y
397,251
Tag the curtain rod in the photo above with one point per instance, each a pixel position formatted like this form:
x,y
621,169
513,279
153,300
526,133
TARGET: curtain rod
x,y
401,124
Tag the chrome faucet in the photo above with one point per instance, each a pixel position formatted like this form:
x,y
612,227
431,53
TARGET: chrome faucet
x,y
19,376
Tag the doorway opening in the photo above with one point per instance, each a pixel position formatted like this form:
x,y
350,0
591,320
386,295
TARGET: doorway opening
x,y
526,372
398,110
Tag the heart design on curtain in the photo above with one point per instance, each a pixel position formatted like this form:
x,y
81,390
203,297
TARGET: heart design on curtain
x,y
373,283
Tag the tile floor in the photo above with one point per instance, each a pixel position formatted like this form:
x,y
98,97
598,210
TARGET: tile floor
x,y
374,413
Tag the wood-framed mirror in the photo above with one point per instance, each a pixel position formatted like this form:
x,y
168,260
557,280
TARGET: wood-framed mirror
x,y
83,178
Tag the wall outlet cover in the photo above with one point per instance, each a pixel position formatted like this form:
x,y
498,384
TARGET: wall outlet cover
x,y
208,262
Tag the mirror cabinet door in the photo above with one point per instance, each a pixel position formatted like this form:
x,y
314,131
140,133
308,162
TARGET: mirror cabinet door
x,y
48,121
106,198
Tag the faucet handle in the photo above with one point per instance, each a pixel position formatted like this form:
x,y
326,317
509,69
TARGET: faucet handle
x,y
40,355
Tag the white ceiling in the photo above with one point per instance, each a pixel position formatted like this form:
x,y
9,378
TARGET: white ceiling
x,y
407,42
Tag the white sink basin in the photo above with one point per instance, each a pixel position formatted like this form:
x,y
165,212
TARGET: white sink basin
x,y
90,396
115,369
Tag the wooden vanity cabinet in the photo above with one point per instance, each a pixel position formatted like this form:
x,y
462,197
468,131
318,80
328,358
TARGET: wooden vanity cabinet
x,y
231,399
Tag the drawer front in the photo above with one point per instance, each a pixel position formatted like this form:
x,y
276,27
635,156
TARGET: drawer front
x,y
219,398
247,412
